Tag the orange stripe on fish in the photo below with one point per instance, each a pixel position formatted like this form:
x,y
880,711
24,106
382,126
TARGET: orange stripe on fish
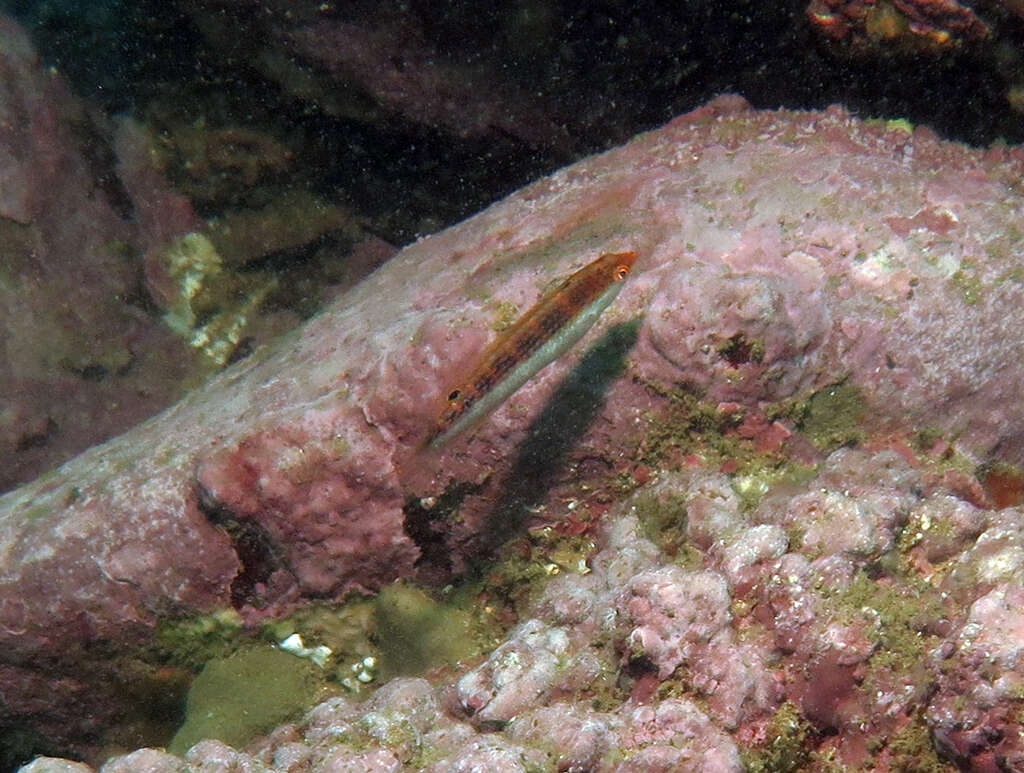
x,y
540,336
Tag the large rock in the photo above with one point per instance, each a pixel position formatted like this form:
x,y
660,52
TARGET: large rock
x,y
80,359
781,254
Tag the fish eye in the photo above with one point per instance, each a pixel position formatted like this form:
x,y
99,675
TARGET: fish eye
x,y
454,395
621,272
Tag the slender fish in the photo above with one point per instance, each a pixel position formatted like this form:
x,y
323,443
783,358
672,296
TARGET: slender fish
x,y
540,336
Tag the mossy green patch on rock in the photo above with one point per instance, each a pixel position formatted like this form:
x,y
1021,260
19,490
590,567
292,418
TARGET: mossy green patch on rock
x,y
345,628
415,633
691,430
755,481
193,641
525,565
505,314
236,699
785,749
832,417
904,610
663,521
912,749
687,426
900,619
966,280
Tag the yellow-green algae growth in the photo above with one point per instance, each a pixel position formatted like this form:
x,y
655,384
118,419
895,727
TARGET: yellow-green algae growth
x,y
414,633
248,684
192,641
832,417
345,629
967,281
911,749
525,565
687,425
401,631
898,618
901,612
692,427
785,749
238,698
663,521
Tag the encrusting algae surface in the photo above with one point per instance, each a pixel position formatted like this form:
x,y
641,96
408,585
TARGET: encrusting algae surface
x,y
760,517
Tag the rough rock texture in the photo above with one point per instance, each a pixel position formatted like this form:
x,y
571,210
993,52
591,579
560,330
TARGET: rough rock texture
x,y
406,75
87,217
78,361
860,657
785,257
382,63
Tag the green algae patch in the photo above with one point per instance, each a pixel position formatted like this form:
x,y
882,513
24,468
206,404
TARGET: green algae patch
x,y
899,125
687,426
239,698
663,521
344,628
968,283
903,609
506,314
193,641
911,748
832,417
825,760
525,565
785,749
691,427
37,513
756,481
900,620
415,633
691,431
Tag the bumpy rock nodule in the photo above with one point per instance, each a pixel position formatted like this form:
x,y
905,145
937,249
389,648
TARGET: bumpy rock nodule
x,y
579,684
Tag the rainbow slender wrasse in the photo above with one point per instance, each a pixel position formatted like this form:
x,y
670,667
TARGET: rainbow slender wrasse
x,y
538,338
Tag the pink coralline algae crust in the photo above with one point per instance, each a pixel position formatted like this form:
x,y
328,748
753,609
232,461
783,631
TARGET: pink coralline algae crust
x,y
640,664
781,254
77,363
534,665
656,596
